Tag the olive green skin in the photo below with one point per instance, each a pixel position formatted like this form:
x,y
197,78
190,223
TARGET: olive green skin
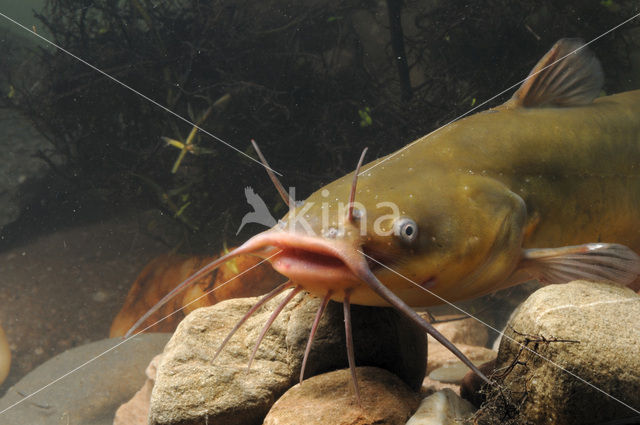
x,y
484,188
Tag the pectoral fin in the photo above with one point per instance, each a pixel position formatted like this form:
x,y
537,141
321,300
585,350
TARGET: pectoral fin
x,y
595,261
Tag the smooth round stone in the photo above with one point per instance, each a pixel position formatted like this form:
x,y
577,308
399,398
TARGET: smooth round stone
x,y
450,373
89,395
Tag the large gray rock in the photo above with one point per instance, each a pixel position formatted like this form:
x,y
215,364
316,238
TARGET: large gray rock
x,y
604,320
191,388
136,410
89,395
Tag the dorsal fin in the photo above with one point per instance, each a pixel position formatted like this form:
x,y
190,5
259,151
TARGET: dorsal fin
x,y
568,75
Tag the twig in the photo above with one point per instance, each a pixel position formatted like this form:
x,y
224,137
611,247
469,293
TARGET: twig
x,y
397,44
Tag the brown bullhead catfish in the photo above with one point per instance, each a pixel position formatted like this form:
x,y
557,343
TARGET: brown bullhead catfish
x,y
545,186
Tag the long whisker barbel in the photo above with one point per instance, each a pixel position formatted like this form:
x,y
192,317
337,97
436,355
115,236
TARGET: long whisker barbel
x,y
312,333
272,318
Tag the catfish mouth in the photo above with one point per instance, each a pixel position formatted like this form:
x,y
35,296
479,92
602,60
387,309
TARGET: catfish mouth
x,y
313,259
310,261
303,258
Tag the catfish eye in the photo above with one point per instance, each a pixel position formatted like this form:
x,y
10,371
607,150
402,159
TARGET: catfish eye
x,y
406,229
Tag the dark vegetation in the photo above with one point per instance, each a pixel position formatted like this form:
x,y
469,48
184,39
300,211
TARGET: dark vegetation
x,y
505,403
314,82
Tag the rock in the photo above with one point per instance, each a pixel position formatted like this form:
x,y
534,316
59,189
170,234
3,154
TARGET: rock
x,y
5,356
165,272
190,386
440,356
430,386
635,285
603,318
451,369
472,384
493,310
444,407
466,331
495,346
88,396
329,399
136,410
450,373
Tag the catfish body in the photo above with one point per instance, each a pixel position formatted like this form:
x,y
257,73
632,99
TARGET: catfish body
x,y
576,168
544,186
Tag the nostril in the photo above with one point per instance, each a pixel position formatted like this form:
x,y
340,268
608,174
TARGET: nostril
x,y
332,233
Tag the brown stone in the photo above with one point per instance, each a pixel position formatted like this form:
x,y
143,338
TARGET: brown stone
x,y
466,331
430,386
472,384
329,399
440,356
5,356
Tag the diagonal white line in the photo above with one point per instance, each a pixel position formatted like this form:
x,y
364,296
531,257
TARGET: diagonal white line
x,y
147,98
131,337
502,334
497,95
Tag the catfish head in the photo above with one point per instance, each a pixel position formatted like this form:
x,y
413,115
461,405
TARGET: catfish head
x,y
449,237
